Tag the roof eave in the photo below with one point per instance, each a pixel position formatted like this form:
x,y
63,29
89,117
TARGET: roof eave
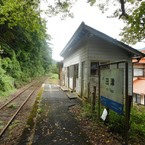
x,y
62,53
134,53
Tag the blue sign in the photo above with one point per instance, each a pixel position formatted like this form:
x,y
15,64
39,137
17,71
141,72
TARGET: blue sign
x,y
112,89
115,106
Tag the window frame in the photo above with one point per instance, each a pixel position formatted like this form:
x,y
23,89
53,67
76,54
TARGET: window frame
x,y
137,73
94,70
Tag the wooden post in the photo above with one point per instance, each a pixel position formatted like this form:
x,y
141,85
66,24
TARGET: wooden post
x,y
60,65
127,113
99,74
94,99
89,91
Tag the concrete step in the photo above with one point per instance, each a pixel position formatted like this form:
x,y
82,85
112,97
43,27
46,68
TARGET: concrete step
x,y
72,95
64,88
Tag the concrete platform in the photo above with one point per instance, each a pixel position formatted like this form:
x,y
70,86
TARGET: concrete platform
x,y
72,95
54,124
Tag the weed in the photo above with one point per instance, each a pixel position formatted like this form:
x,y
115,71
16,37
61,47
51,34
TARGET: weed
x,y
116,122
14,124
137,120
12,106
39,110
86,110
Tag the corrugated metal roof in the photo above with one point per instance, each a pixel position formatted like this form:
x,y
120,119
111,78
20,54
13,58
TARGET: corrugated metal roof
x,y
139,86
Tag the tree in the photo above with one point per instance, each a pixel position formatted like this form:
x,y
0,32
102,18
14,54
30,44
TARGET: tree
x,y
132,12
23,13
24,51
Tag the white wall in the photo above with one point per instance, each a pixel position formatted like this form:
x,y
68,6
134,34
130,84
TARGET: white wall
x,y
96,50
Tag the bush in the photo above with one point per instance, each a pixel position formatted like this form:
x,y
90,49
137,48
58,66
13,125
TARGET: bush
x,y
6,82
54,69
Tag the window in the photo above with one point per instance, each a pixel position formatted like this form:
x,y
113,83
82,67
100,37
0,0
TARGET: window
x,y
138,72
137,98
94,68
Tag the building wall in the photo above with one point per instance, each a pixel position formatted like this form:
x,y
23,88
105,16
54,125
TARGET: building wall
x,y
107,52
95,50
139,73
79,56
138,66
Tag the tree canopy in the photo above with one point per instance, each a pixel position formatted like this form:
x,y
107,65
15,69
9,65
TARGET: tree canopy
x,y
132,12
25,50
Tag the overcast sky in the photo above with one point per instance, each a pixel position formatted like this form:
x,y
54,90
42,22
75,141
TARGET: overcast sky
x,y
62,30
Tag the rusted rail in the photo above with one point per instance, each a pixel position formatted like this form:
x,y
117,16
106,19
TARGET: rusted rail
x,y
15,97
18,110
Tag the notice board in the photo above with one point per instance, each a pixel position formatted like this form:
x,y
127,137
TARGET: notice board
x,y
112,89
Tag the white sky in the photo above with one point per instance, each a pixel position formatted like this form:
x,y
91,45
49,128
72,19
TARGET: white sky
x,y
62,30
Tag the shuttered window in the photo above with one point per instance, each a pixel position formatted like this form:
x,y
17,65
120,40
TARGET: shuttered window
x,y
94,68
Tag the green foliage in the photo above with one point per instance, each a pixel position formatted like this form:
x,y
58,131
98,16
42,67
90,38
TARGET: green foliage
x,y
24,48
14,124
61,8
12,106
86,110
39,110
25,14
54,68
130,11
53,76
6,81
135,29
116,123
137,130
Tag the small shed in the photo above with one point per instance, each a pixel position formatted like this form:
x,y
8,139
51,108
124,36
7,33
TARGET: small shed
x,y
85,51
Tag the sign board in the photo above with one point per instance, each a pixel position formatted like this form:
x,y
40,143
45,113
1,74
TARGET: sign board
x,y
112,89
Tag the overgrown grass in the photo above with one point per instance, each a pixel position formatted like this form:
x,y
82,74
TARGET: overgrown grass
x,y
4,95
14,124
137,130
53,76
35,109
116,122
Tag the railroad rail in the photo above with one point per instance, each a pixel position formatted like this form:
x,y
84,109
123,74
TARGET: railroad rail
x,y
23,97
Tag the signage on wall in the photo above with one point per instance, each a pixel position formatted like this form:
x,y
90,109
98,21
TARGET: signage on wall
x,y
112,89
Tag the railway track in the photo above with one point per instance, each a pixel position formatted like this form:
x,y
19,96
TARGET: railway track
x,y
10,109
